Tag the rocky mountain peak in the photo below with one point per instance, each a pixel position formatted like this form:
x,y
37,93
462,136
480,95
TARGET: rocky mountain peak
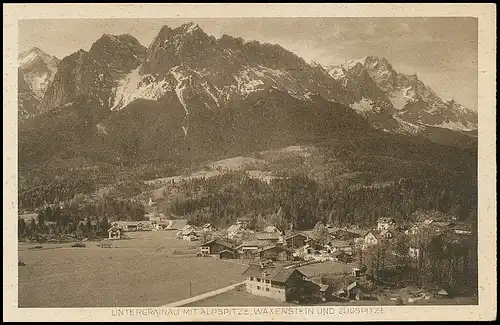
x,y
120,52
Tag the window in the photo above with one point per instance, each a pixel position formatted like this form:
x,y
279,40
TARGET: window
x,y
258,279
268,281
258,287
251,278
267,289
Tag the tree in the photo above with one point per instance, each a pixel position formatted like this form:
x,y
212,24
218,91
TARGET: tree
x,y
320,233
260,223
21,228
41,221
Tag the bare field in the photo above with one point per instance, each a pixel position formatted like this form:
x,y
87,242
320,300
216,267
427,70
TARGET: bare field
x,y
141,272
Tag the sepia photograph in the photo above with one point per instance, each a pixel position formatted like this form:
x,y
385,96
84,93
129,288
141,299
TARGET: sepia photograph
x,y
329,163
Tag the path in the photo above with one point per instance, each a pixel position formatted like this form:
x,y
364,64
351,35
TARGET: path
x,y
202,296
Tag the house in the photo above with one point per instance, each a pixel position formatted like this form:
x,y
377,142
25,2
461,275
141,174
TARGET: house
x,y
114,233
275,282
387,234
187,228
341,256
356,272
215,246
269,237
339,245
276,252
127,226
27,217
295,241
462,229
234,230
227,254
244,221
271,229
414,252
250,248
314,244
354,291
371,238
189,235
385,223
345,235
208,227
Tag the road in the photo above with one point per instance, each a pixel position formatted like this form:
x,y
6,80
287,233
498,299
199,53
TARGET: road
x,y
202,296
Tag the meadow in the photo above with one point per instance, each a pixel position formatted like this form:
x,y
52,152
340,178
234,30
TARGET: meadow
x,y
150,269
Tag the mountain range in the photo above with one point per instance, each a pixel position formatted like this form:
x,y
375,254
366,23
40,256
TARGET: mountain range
x,y
192,95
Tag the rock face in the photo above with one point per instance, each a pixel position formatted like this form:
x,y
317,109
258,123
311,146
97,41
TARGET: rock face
x,y
35,73
93,74
408,99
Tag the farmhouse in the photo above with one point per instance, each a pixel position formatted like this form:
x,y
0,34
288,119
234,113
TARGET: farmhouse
x,y
295,241
269,237
278,283
189,235
385,223
114,233
188,228
244,221
133,225
371,238
215,246
250,248
339,245
276,252
463,229
341,256
227,254
208,227
271,229
234,230
345,235
388,234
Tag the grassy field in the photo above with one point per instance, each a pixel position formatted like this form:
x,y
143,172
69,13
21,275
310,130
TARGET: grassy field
x,y
150,269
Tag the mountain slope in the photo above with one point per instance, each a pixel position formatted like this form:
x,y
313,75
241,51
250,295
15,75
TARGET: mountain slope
x,y
35,73
190,96
382,91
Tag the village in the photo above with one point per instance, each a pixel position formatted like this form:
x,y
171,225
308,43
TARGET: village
x,y
339,254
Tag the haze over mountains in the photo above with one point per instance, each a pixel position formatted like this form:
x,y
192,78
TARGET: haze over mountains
x,y
191,94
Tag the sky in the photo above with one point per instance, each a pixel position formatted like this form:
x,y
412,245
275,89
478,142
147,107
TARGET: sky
x,y
442,51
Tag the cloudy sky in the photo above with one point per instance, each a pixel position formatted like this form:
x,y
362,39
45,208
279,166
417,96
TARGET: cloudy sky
x,y
441,51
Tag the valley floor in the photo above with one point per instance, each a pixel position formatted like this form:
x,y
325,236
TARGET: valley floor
x,y
149,269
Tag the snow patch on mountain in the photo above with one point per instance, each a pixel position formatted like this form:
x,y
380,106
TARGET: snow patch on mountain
x,y
180,87
456,126
408,128
363,106
401,97
134,86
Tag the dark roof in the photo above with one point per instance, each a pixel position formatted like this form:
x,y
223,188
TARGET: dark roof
x,y
256,243
335,283
276,246
295,235
277,274
227,251
386,219
267,235
376,233
338,253
218,241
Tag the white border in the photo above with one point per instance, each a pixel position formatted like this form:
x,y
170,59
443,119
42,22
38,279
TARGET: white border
x,y
486,14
